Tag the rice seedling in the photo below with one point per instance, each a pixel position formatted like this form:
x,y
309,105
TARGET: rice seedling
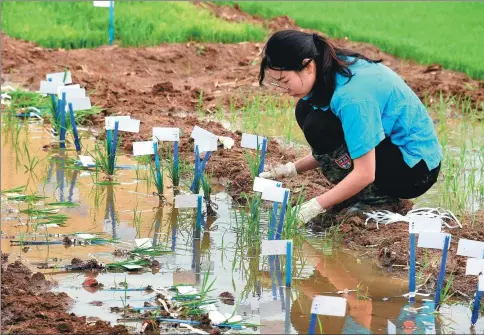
x,y
361,293
445,294
157,250
17,189
105,156
32,162
67,204
137,220
207,191
199,106
156,175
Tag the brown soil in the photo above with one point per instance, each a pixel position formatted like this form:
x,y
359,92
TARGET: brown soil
x,y
29,308
161,86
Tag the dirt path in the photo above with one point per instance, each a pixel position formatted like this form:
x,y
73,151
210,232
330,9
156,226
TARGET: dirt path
x,y
161,86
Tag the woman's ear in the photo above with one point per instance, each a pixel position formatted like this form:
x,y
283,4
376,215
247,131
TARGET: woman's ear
x,y
309,67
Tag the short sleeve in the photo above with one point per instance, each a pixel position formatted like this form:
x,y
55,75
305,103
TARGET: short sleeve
x,y
362,126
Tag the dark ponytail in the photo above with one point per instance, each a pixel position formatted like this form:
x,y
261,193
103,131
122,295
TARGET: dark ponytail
x,y
286,50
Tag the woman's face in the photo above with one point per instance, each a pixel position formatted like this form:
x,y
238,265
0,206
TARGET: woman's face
x,y
296,84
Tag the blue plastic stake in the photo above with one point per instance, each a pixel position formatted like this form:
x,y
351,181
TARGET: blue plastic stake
x,y
74,128
288,263
62,112
198,225
157,163
175,156
263,155
312,324
281,215
272,264
197,168
411,279
204,162
477,304
272,226
111,22
442,271
52,98
109,140
114,145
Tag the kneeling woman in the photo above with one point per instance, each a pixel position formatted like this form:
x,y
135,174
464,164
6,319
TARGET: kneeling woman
x,y
367,129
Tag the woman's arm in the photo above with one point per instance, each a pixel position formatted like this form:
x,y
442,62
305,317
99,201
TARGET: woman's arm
x,y
306,163
362,175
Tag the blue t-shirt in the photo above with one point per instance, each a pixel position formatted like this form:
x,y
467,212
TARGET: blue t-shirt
x,y
376,103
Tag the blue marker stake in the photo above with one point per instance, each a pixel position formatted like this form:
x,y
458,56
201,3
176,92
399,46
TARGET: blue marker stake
x,y
312,324
272,260
197,168
175,156
281,215
442,271
411,278
74,128
62,112
477,304
204,162
288,264
157,163
114,145
263,155
272,226
198,225
109,140
111,22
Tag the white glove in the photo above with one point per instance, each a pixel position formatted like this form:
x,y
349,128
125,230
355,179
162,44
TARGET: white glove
x,y
309,210
287,170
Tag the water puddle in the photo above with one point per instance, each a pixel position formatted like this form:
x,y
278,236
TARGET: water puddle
x,y
129,211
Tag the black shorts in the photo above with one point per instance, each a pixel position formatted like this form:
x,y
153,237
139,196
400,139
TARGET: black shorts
x,y
393,177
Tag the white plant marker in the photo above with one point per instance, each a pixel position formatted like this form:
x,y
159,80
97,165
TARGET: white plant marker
x,y
251,141
166,134
275,194
424,225
71,91
199,132
49,87
109,121
470,248
58,77
143,148
104,4
206,144
125,124
274,247
261,183
87,161
432,240
327,305
474,266
79,104
186,201
143,242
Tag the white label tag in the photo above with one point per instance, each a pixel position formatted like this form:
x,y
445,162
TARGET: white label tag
x,y
49,87
423,224
198,132
128,125
474,266
143,148
166,134
332,306
71,91
105,4
392,329
79,104
275,194
261,183
87,160
58,77
206,144
480,286
109,120
432,240
274,247
186,201
470,248
250,141
186,290
144,242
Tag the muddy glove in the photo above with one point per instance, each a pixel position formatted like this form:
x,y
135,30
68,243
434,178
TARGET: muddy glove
x,y
309,210
287,170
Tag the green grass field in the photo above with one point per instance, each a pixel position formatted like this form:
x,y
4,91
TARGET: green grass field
x,y
449,33
57,24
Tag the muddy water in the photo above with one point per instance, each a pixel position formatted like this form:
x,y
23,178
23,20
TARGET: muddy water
x,y
258,283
